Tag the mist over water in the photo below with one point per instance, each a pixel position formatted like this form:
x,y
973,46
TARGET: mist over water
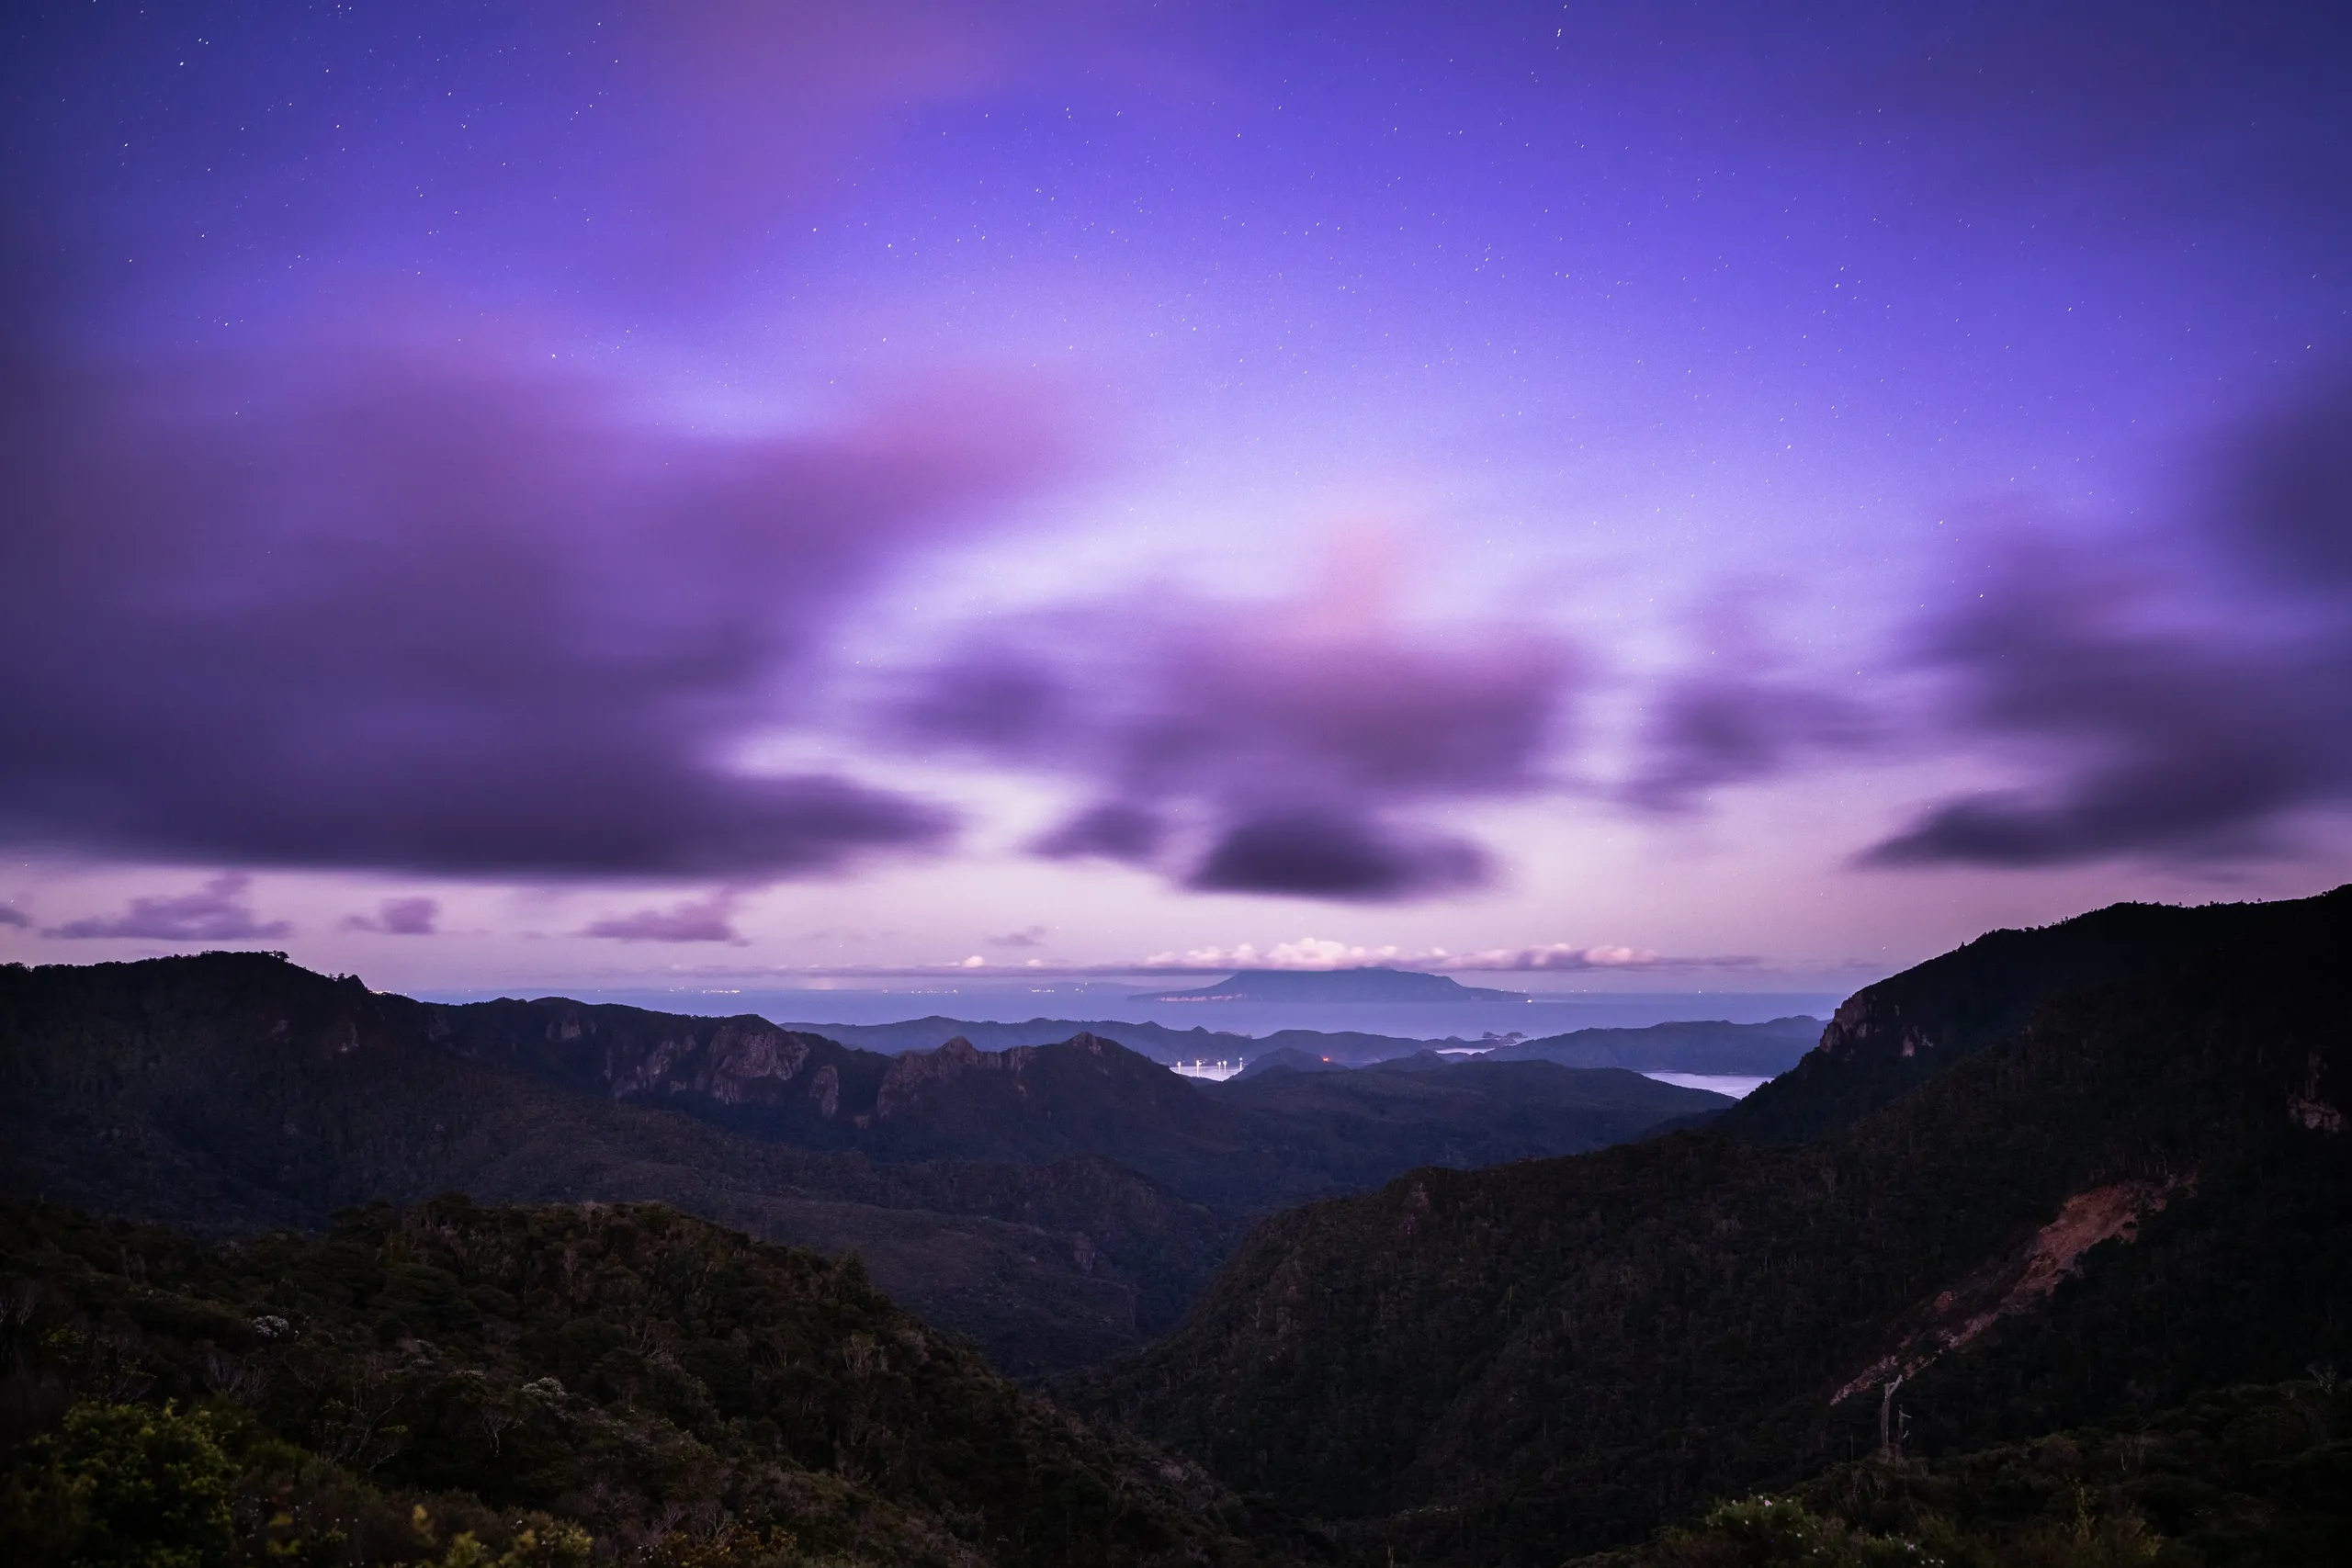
x,y
1714,1083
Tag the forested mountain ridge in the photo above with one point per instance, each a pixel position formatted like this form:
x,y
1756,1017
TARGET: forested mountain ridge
x,y
1711,1045
1057,1204
2143,1192
625,1384
740,1072
1890,1036
1023,1104
235,1091
1691,1047
1466,1113
242,1032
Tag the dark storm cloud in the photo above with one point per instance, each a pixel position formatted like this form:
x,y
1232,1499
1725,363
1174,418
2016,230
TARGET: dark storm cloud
x,y
2189,720
386,611
399,916
14,917
1308,853
219,911
1274,746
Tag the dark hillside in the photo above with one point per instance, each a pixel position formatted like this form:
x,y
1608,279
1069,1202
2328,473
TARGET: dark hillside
x,y
654,1381
2258,1475
2143,1192
1156,1041
1361,1126
1289,1059
235,1091
1697,1046
742,1073
1888,1037
1057,1202
1024,1104
1745,1050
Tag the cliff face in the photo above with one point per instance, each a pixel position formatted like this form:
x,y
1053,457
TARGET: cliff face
x,y
1025,1103
743,1072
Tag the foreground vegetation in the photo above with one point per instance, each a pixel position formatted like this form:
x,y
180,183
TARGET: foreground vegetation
x,y
2253,1475
466,1385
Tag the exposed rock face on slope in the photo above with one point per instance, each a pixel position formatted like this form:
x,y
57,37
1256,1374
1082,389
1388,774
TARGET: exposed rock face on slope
x,y
742,1072
2134,1194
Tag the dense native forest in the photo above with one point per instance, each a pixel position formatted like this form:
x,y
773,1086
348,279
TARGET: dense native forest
x,y
2138,1195
550,1384
2041,1258
1057,1205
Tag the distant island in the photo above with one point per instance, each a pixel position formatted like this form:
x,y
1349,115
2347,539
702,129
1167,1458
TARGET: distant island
x,y
1367,984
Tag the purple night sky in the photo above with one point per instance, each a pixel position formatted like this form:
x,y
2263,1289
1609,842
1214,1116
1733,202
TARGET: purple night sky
x,y
1675,495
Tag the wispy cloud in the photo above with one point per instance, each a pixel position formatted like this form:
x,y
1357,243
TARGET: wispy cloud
x,y
218,911
703,919
398,916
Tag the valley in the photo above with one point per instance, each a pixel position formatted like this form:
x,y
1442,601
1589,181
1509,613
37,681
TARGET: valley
x,y
2056,1192
1057,1204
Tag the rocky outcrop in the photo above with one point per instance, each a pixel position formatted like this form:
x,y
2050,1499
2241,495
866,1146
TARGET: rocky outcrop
x,y
1868,1021
911,1074
741,1058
